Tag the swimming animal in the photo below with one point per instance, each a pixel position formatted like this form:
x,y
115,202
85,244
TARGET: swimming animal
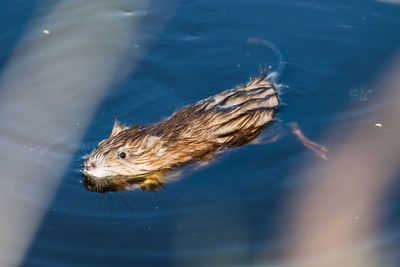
x,y
144,154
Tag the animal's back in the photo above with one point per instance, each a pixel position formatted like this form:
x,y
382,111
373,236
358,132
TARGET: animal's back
x,y
220,120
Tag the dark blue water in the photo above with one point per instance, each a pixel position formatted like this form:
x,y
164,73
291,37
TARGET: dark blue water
x,y
233,212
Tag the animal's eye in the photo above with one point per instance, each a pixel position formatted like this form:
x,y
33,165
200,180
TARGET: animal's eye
x,y
122,155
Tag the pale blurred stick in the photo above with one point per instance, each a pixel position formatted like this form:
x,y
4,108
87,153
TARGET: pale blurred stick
x,y
48,93
337,214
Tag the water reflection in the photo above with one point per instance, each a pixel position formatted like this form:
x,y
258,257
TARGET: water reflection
x,y
150,182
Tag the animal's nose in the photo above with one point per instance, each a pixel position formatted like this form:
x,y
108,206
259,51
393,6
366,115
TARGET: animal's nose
x,y
90,165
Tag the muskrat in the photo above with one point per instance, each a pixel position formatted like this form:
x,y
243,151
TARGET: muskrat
x,y
195,132
143,155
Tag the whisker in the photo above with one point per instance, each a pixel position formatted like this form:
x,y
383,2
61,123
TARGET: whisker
x,y
124,201
112,202
109,204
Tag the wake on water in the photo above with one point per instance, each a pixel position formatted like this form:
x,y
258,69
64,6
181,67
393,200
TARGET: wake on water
x,y
274,75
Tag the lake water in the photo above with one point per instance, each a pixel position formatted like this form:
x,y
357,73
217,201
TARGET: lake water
x,y
233,212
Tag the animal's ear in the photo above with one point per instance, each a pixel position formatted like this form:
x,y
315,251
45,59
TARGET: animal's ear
x,y
117,128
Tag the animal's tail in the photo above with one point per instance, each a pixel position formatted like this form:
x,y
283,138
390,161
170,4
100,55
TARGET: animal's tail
x,y
241,110
274,75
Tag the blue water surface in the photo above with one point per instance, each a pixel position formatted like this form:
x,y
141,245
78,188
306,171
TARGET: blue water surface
x,y
232,212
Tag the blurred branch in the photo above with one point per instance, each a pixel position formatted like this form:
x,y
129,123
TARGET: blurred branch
x,y
336,215
48,93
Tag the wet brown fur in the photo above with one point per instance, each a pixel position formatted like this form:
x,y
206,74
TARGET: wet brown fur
x,y
195,132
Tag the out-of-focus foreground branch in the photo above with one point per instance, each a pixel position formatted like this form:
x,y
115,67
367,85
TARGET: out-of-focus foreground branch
x,y
337,214
48,92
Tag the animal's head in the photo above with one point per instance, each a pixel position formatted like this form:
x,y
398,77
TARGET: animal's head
x,y
126,152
